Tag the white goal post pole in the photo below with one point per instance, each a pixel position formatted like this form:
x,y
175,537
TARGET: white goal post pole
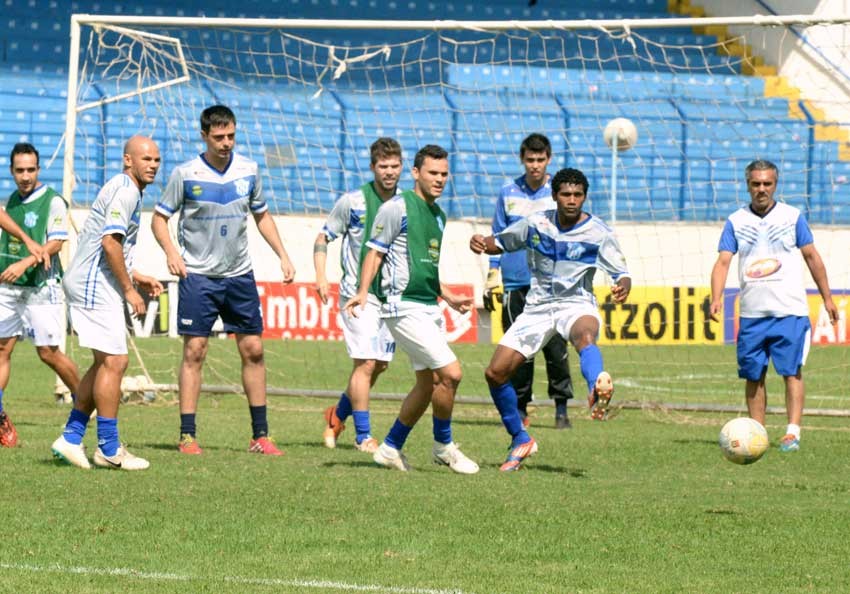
x,y
614,146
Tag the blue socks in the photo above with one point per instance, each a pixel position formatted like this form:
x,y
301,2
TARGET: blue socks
x,y
75,428
397,435
259,422
362,425
187,424
504,397
1,400
442,430
107,435
343,407
590,361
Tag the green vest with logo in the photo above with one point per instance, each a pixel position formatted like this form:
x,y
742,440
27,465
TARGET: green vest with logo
x,y
373,203
32,217
425,224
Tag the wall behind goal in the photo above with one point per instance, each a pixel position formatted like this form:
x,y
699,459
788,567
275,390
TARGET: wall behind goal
x,y
670,265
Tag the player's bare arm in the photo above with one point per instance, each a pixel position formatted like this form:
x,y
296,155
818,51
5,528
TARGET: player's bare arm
x,y
12,228
368,271
114,251
718,282
320,258
159,227
268,229
484,245
818,272
16,270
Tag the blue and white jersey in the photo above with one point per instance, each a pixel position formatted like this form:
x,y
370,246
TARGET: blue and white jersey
x,y
89,281
347,219
214,207
770,267
564,261
516,201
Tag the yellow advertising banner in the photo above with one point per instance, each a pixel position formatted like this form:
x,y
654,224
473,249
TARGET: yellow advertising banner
x,y
680,315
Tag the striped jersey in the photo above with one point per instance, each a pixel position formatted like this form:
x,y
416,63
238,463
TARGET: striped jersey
x,y
770,267
348,219
214,207
563,261
409,232
89,281
516,201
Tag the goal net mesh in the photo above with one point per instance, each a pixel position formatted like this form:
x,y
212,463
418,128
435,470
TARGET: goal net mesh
x,y
309,102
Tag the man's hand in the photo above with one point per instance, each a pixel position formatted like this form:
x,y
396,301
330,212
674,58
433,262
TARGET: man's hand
x,y
323,289
14,272
38,252
715,309
460,303
350,306
492,287
476,243
148,284
135,301
176,265
621,290
287,269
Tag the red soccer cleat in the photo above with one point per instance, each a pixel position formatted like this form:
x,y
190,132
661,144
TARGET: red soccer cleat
x,y
333,428
264,445
8,433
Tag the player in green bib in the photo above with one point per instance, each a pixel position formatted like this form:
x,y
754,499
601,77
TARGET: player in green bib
x,y
404,254
31,298
367,337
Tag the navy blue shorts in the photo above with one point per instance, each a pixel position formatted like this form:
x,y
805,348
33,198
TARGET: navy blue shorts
x,y
203,299
785,340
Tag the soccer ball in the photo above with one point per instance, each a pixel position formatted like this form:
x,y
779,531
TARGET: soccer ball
x,y
625,132
743,440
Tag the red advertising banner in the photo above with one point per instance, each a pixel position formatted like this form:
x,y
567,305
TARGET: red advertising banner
x,y
295,311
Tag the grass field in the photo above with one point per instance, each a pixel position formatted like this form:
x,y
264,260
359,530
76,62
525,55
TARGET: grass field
x,y
642,503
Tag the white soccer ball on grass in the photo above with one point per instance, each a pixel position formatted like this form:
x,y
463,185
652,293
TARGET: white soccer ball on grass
x,y
625,132
743,440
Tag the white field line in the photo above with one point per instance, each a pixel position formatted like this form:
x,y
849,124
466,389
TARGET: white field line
x,y
177,577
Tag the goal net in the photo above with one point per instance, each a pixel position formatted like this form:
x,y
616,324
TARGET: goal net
x,y
707,96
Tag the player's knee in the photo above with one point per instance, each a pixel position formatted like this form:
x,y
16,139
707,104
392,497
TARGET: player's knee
x,y
379,368
47,354
116,364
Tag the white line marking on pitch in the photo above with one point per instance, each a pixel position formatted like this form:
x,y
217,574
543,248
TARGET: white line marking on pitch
x,y
176,577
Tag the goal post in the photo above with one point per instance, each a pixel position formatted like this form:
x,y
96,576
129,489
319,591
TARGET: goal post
x,y
311,95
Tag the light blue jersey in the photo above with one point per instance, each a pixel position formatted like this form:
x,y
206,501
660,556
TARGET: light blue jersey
x,y
89,281
516,201
214,206
564,261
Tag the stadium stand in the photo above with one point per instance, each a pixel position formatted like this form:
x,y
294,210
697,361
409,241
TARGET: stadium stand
x,y
687,168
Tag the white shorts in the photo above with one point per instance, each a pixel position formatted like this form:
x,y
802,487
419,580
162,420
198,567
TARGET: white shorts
x,y
536,325
34,313
421,335
367,336
103,330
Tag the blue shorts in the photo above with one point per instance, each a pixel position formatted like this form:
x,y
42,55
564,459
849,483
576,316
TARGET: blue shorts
x,y
203,299
785,340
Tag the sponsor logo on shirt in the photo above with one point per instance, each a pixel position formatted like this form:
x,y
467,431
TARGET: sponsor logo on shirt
x,y
762,268
197,191
115,213
574,250
434,250
377,230
30,219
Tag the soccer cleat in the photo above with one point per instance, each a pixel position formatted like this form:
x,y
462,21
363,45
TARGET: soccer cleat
x,y
189,445
517,455
601,396
563,422
70,453
390,457
334,427
264,445
8,433
448,454
122,460
789,443
368,445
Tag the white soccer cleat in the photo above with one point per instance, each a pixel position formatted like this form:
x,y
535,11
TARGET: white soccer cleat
x,y
122,460
70,453
367,446
601,396
390,457
448,454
